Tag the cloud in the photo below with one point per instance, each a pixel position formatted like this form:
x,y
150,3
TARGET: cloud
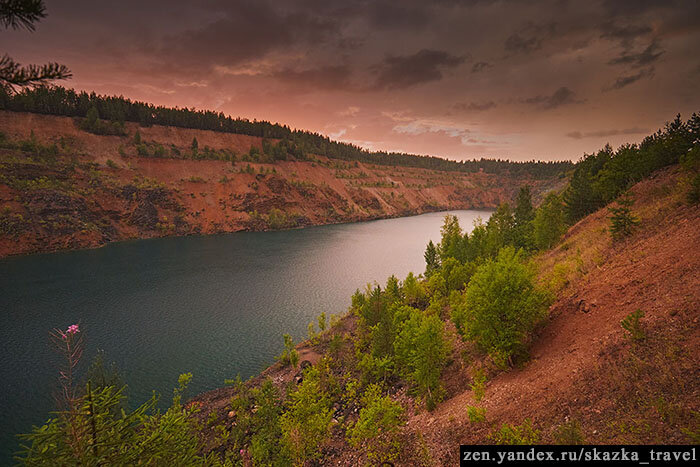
x,y
626,80
562,96
397,72
419,127
246,30
474,106
646,57
605,133
624,33
629,8
529,38
481,66
398,15
329,77
350,111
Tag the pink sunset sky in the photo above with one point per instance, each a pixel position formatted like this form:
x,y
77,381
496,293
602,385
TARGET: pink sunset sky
x,y
458,79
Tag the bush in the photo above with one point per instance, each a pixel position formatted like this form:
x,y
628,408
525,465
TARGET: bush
x,y
569,433
421,350
516,434
290,354
111,164
95,432
306,423
375,430
694,192
631,324
502,306
476,414
478,385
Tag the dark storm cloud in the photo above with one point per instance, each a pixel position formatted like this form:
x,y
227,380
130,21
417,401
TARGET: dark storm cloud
x,y
562,96
474,106
636,7
626,34
626,80
330,77
399,15
646,57
481,66
607,133
247,30
396,72
529,38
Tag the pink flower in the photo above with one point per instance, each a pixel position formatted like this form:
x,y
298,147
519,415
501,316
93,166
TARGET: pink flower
x,y
72,329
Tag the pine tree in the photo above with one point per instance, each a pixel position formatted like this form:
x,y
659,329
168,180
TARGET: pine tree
x,y
432,259
18,14
92,119
622,222
523,216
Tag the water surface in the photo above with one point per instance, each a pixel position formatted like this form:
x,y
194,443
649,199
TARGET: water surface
x,y
216,306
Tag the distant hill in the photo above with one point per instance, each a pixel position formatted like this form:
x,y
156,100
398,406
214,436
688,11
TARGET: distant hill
x,y
62,186
115,111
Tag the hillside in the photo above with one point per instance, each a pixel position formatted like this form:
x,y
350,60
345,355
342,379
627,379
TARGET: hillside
x,y
583,368
569,321
586,381
62,187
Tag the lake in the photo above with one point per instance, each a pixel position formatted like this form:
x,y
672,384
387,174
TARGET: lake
x,y
216,306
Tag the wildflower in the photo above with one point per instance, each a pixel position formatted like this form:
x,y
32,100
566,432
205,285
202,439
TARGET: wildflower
x,y
72,329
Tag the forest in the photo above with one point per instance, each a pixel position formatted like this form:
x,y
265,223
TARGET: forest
x,y
482,283
111,112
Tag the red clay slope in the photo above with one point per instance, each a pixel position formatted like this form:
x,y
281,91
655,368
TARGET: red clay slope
x,y
583,367
97,189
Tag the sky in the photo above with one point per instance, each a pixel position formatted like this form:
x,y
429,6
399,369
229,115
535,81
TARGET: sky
x,y
522,80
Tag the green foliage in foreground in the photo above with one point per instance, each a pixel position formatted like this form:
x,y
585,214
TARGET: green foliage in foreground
x,y
569,433
376,429
476,414
94,432
502,306
307,421
516,434
401,341
290,356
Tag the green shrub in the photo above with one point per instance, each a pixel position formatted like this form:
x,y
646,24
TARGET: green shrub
x,y
111,164
476,414
95,432
516,434
631,324
694,192
289,356
375,430
311,332
569,433
478,385
421,349
502,306
307,421
322,322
